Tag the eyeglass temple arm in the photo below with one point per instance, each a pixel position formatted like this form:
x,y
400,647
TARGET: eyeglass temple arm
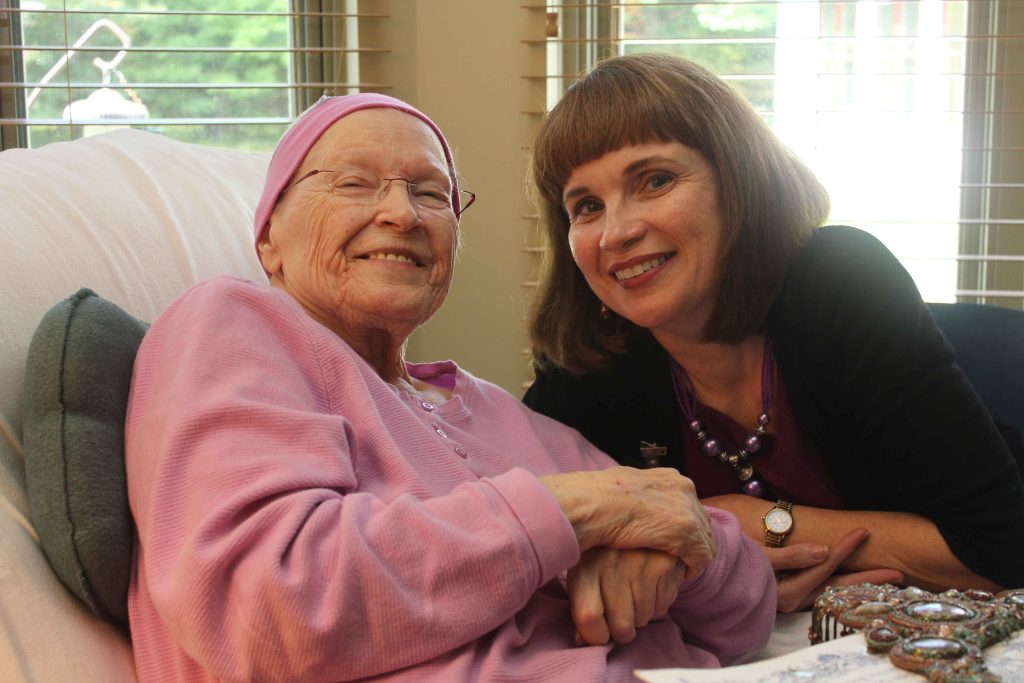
x,y
472,198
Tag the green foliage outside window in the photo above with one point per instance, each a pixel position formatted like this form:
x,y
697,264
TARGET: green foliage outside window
x,y
141,68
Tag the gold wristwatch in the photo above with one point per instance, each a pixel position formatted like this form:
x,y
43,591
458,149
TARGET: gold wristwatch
x,y
778,522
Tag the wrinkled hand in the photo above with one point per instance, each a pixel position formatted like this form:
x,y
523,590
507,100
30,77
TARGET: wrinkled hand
x,y
624,507
614,592
804,570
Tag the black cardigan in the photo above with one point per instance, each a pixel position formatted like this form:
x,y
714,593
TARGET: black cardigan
x,y
871,380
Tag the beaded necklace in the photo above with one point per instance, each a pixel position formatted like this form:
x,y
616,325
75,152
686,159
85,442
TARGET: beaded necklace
x,y
712,447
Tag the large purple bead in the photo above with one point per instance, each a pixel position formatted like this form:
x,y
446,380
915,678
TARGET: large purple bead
x,y
753,488
712,447
695,426
752,444
763,419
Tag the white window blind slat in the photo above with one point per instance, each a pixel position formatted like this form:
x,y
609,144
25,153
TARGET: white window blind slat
x,y
197,12
60,49
181,86
152,121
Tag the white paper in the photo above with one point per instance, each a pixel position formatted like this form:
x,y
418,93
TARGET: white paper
x,y
845,660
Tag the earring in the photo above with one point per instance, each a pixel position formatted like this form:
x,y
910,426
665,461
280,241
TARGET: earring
x,y
604,312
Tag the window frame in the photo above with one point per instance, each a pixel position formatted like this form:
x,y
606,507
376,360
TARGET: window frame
x,y
324,43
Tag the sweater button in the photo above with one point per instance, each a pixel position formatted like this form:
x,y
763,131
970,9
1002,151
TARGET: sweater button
x,y
426,406
440,432
461,453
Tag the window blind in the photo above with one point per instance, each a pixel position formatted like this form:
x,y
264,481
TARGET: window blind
x,y
910,112
232,73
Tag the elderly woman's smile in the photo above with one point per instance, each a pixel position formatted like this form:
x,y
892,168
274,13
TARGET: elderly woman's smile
x,y
403,254
391,256
367,242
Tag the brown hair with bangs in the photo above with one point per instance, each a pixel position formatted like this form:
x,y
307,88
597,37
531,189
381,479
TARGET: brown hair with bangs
x,y
770,202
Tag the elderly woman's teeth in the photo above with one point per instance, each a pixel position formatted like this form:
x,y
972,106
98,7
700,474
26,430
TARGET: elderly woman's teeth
x,y
391,257
640,268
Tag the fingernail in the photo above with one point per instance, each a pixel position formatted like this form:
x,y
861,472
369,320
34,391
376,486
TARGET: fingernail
x,y
578,639
819,552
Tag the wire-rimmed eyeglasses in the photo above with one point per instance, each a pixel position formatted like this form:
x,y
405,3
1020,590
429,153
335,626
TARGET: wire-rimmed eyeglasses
x,y
359,187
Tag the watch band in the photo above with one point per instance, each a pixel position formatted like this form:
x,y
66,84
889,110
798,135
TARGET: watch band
x,y
781,511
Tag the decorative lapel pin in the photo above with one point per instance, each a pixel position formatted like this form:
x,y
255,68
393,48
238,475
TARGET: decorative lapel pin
x,y
652,453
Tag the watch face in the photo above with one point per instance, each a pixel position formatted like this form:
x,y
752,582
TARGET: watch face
x,y
778,521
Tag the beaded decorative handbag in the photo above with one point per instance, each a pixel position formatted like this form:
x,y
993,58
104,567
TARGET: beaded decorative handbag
x,y
938,635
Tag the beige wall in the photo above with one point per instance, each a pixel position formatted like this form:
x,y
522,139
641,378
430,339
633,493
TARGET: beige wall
x,y
462,62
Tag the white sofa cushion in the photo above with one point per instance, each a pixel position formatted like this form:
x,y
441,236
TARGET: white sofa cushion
x,y
138,218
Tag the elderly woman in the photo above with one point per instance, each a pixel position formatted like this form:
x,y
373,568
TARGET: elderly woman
x,y
693,315
311,507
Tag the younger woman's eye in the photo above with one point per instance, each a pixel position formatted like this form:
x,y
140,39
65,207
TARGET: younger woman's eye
x,y
584,208
658,180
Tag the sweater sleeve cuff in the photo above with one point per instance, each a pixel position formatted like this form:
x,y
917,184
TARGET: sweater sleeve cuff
x,y
729,539
552,536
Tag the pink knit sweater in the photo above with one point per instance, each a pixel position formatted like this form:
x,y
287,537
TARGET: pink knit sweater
x,y
300,519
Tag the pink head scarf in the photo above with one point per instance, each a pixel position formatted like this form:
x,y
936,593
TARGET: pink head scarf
x,y
307,129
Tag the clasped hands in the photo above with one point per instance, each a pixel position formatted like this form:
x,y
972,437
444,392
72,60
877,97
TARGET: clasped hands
x,y
641,534
646,530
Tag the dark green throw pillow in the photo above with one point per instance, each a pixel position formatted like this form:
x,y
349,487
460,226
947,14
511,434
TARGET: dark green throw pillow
x,y
76,390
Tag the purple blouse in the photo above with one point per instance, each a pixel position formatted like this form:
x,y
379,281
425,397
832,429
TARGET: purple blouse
x,y
787,460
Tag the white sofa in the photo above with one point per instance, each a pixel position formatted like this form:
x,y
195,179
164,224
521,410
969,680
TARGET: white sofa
x,y
137,217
